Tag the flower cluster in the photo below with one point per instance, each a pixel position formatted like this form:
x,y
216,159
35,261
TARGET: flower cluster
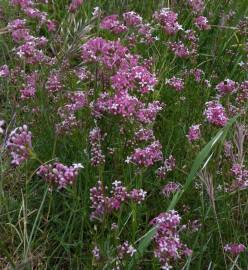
x,y
194,133
76,101
179,49
125,250
29,9
242,93
234,249
131,18
215,113
241,177
170,188
225,87
59,174
147,156
197,73
4,71
176,83
74,5
103,204
20,144
168,20
95,139
113,24
201,23
138,76
111,54
30,88
197,5
168,246
144,135
168,165
54,83
30,49
133,23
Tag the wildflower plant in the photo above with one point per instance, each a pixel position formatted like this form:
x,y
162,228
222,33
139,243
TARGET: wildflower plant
x,y
113,115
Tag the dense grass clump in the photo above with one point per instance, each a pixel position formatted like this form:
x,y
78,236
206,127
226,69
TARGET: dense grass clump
x,y
123,134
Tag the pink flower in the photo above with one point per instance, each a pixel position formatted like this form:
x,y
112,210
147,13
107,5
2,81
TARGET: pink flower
x,y
145,135
59,174
226,86
22,3
242,93
168,246
179,49
136,77
168,20
113,24
110,53
170,188
54,83
202,23
74,5
4,71
96,253
95,138
197,5
126,249
51,25
240,177
102,204
131,18
20,144
194,133
234,249
168,166
198,73
16,24
137,195
147,156
147,114
30,88
215,113
176,83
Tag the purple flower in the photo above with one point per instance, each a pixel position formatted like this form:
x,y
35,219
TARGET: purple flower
x,y
179,49
168,20
168,246
95,138
234,249
197,5
4,71
145,135
137,195
168,166
225,87
131,18
113,24
59,174
194,133
126,249
54,83
147,156
30,88
176,83
74,5
215,113
202,23
20,144
170,188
